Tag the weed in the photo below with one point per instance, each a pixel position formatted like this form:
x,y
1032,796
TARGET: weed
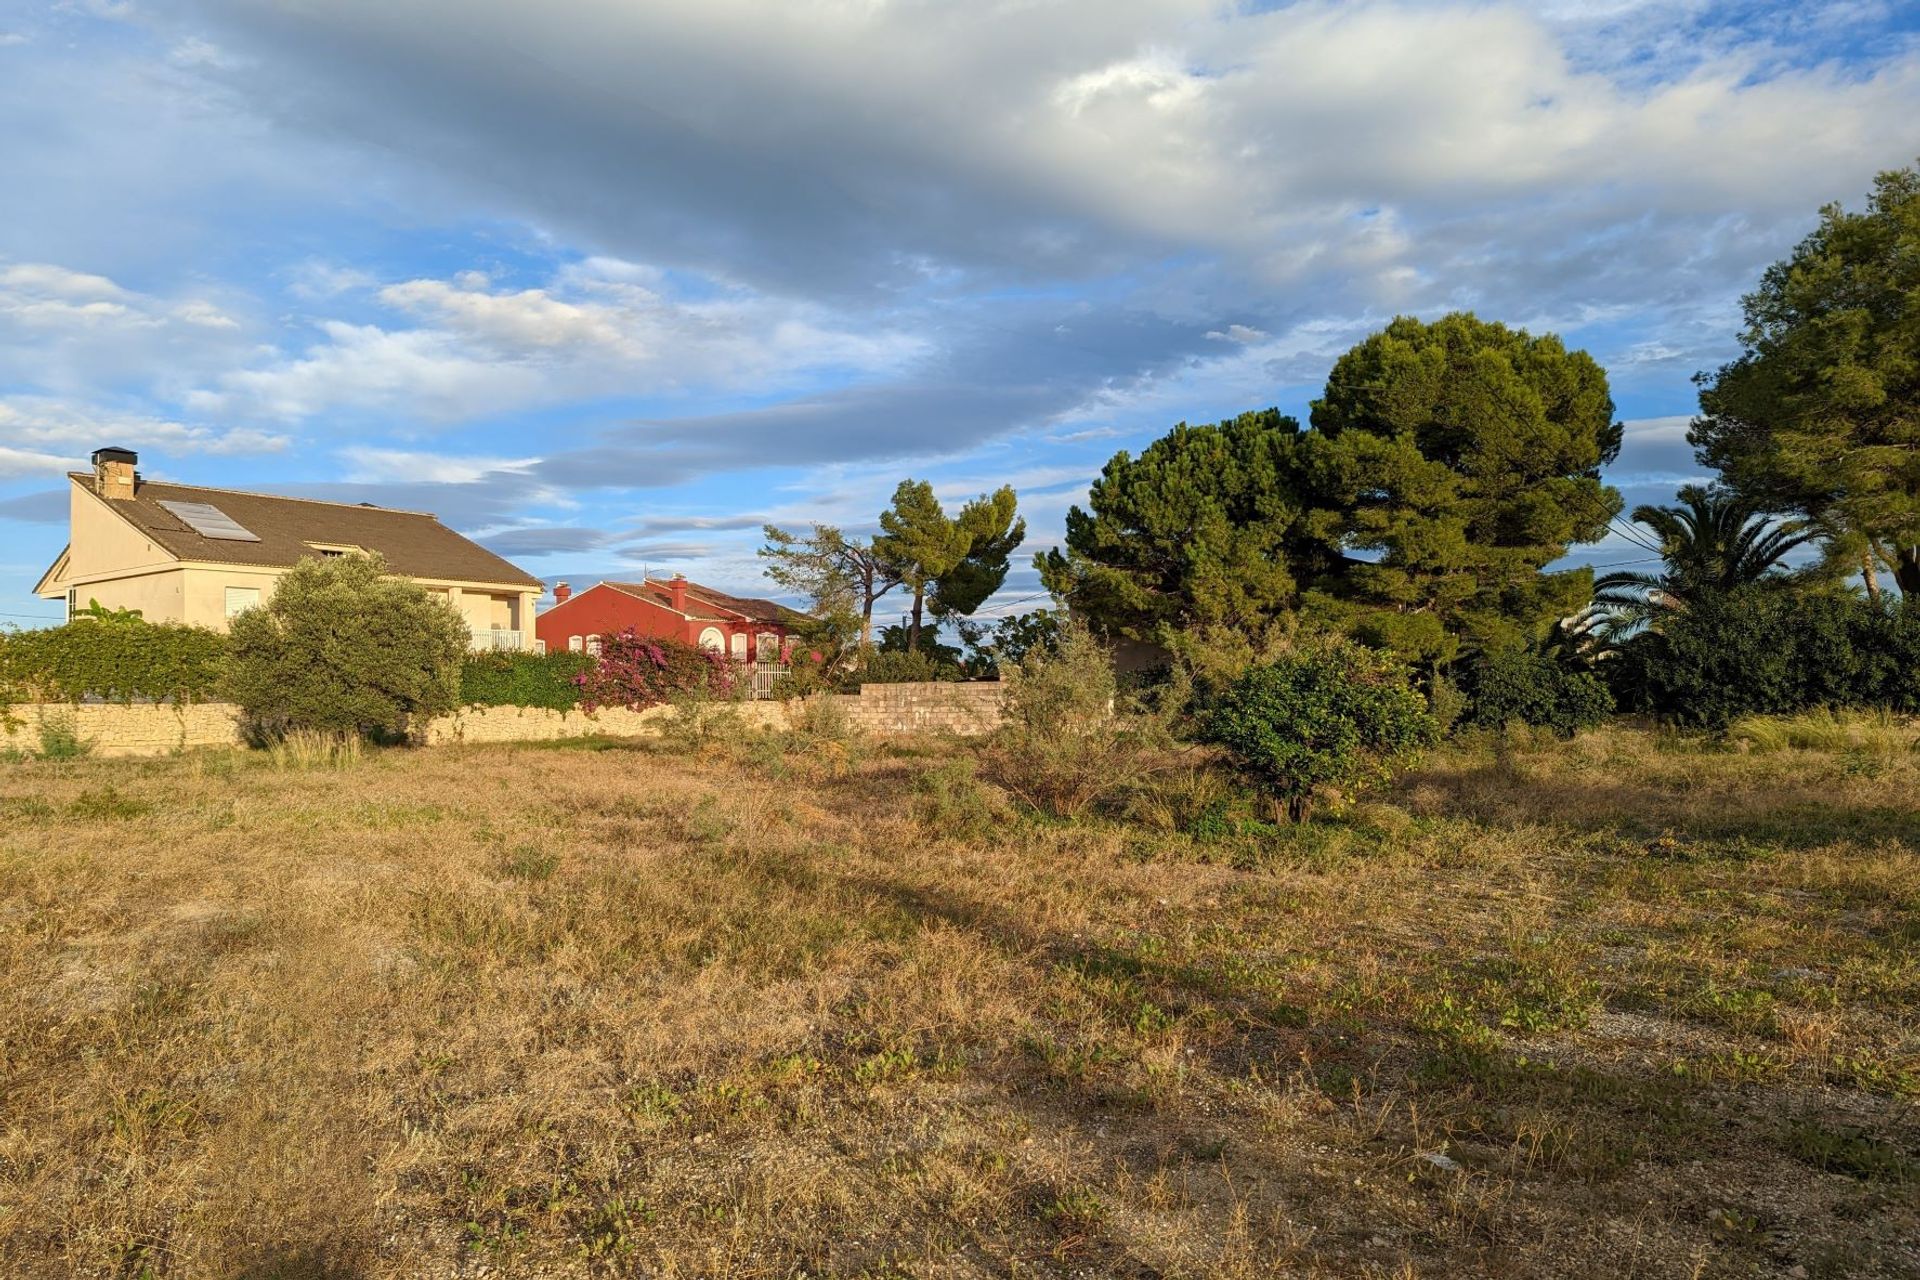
x,y
1849,1150
107,804
60,738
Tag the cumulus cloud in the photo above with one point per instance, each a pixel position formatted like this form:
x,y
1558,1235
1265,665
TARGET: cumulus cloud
x,y
850,144
600,327
75,430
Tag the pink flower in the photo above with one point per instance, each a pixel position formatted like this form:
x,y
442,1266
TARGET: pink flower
x,y
815,655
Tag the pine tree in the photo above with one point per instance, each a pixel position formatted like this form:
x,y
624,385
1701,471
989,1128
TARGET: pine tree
x,y
1820,413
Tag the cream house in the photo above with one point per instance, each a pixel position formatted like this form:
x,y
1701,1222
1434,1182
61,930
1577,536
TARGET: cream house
x,y
182,553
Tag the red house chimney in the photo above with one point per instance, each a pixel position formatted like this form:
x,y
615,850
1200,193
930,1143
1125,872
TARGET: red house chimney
x,y
678,590
562,593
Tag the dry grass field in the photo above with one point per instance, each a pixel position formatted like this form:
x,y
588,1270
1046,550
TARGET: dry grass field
x,y
1629,1006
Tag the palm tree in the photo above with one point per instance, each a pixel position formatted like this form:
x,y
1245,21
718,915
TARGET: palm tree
x,y
1712,542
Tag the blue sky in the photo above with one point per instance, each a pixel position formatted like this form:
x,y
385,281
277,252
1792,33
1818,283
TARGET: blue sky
x,y
608,285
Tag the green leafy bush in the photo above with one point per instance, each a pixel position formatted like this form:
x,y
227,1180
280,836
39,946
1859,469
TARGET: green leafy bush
x,y
549,680
1756,652
894,666
1519,685
1337,715
1066,743
343,648
637,672
113,656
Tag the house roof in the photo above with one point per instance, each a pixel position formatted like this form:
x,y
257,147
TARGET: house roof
x,y
413,543
709,605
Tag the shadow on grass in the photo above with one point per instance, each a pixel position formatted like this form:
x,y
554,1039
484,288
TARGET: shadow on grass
x,y
1500,798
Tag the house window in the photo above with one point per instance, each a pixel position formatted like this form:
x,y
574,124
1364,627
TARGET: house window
x,y
739,646
766,647
593,646
241,599
576,644
73,602
712,641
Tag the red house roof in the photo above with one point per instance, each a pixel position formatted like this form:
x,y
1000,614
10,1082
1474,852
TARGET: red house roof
x,y
708,604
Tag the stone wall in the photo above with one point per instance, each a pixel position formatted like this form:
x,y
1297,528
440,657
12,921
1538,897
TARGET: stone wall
x,y
538,724
147,729
932,707
143,729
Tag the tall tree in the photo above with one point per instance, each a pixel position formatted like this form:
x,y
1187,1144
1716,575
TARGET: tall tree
x,y
994,531
1204,528
1449,464
1820,412
836,574
954,562
1711,543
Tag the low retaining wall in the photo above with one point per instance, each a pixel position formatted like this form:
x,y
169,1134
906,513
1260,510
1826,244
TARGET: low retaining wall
x,y
932,707
540,724
150,729
142,729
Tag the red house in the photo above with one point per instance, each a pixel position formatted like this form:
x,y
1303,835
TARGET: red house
x,y
744,629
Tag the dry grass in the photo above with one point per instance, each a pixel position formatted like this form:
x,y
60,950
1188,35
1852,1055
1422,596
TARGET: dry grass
x,y
1627,1006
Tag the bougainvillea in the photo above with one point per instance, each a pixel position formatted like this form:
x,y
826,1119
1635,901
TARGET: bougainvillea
x,y
636,672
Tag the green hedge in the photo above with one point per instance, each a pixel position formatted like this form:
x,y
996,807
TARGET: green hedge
x,y
523,680
1531,688
113,657
1759,652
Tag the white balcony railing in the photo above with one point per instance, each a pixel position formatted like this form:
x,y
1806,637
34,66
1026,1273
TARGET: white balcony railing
x,y
499,641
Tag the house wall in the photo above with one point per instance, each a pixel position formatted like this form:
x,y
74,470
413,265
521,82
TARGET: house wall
x,y
110,561
602,611
206,591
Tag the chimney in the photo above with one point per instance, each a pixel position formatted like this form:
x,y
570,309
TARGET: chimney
x,y
113,475
562,593
678,589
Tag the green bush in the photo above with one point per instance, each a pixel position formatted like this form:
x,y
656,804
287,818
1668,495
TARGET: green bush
x,y
1772,653
549,680
1337,715
1521,686
637,672
343,648
113,656
896,666
1066,742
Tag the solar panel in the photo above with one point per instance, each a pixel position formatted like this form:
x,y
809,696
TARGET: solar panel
x,y
210,521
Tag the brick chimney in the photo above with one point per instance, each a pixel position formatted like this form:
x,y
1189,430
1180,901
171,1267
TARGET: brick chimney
x,y
562,593
677,589
113,474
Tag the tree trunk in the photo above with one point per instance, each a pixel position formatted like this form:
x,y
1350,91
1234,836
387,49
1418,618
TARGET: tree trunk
x,y
1871,575
866,622
913,632
1906,570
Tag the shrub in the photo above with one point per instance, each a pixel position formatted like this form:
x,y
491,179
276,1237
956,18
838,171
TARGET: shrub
x,y
60,739
1065,745
1752,652
114,656
1338,715
1519,685
343,648
637,672
523,680
900,666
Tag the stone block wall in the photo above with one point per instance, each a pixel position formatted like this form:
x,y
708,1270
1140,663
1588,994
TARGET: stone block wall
x,y
539,724
931,707
148,729
143,729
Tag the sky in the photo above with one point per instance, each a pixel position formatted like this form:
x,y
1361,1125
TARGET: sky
x,y
608,285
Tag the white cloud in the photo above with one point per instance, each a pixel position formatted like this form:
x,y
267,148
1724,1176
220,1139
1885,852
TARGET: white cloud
x,y
15,463
422,373
399,466
47,423
598,328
